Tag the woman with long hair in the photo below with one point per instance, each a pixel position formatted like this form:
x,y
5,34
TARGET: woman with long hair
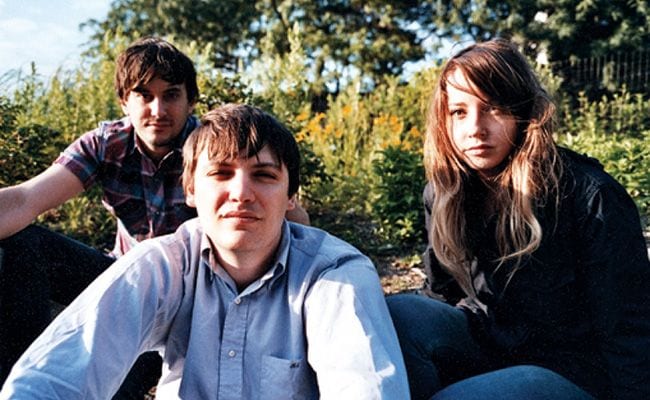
x,y
538,273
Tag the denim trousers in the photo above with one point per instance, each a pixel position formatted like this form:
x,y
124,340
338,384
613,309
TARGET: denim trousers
x,y
444,362
39,267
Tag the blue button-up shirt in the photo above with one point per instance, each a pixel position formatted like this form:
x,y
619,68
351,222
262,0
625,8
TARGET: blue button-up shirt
x,y
314,326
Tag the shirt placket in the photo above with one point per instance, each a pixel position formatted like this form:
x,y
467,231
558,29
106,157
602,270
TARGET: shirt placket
x,y
155,199
231,357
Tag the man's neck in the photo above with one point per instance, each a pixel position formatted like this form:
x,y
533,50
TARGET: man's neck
x,y
245,267
156,154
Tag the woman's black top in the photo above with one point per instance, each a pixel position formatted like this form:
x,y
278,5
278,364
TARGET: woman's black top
x,y
580,304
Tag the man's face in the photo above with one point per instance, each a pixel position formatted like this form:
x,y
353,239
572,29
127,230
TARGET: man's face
x,y
241,203
158,111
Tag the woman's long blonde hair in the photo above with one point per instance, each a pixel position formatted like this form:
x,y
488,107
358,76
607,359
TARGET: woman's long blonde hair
x,y
529,178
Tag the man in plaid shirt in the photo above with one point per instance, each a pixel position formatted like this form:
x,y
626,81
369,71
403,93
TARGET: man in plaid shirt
x,y
137,162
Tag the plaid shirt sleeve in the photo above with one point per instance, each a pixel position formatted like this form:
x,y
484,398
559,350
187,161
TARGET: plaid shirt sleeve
x,y
85,155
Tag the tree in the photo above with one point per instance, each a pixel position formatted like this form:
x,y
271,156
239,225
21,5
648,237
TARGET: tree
x,y
593,28
598,35
564,29
341,37
224,23
366,41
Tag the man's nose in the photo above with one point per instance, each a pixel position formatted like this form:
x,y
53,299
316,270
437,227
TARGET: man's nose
x,y
240,188
158,107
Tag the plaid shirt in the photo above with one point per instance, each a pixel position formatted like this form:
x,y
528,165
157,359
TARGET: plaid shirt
x,y
147,199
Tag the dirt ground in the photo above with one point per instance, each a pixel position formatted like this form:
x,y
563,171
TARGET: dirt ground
x,y
398,275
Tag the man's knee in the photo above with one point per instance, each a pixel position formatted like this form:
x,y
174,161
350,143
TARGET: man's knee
x,y
17,250
20,242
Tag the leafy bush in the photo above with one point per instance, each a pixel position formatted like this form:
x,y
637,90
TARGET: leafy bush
x,y
398,196
616,131
626,158
623,113
362,152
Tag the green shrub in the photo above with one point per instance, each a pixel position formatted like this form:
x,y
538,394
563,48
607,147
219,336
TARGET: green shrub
x,y
623,114
362,155
354,137
398,197
616,131
626,158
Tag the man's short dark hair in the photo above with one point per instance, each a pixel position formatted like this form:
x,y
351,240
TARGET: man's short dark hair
x,y
149,58
238,130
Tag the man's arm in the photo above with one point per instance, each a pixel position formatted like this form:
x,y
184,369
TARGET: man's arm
x,y
352,344
22,203
86,352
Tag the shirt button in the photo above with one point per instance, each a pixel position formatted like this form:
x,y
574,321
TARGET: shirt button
x,y
237,300
232,353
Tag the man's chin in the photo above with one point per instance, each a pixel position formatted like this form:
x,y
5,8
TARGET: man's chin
x,y
237,240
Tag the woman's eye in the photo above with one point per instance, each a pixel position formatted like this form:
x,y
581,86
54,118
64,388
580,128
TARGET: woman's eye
x,y
456,113
496,110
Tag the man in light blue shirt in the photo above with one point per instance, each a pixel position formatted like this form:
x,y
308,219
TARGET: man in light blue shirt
x,y
241,303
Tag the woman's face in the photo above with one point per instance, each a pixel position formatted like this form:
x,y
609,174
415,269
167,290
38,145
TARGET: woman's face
x,y
483,135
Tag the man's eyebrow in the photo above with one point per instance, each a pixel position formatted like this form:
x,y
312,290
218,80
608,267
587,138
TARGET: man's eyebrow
x,y
175,87
260,164
140,89
268,164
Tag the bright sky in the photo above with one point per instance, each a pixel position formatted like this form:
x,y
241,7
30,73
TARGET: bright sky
x,y
45,32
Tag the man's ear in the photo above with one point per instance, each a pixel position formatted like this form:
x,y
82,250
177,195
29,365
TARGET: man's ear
x,y
295,212
125,110
293,201
189,198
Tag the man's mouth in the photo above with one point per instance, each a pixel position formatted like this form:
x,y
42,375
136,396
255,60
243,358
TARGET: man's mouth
x,y
159,124
241,215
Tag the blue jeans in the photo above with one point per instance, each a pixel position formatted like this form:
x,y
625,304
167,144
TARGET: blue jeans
x,y
38,266
443,361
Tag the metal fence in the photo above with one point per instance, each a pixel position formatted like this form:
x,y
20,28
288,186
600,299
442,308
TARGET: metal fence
x,y
607,73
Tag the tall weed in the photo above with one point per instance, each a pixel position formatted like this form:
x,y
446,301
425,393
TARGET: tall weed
x,y
616,131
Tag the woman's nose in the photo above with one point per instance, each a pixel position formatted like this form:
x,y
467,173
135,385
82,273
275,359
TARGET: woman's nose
x,y
475,124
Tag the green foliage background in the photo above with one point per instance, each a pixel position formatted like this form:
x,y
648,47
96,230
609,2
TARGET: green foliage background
x,y
363,175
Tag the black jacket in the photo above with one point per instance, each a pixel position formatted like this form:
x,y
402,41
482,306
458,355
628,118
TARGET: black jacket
x,y
580,305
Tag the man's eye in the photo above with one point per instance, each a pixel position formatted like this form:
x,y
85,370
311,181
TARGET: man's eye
x,y
146,97
172,96
266,175
218,173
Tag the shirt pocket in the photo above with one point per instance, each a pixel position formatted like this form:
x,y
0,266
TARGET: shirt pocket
x,y
286,379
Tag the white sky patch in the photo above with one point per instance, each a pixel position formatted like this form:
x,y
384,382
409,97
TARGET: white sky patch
x,y
45,32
